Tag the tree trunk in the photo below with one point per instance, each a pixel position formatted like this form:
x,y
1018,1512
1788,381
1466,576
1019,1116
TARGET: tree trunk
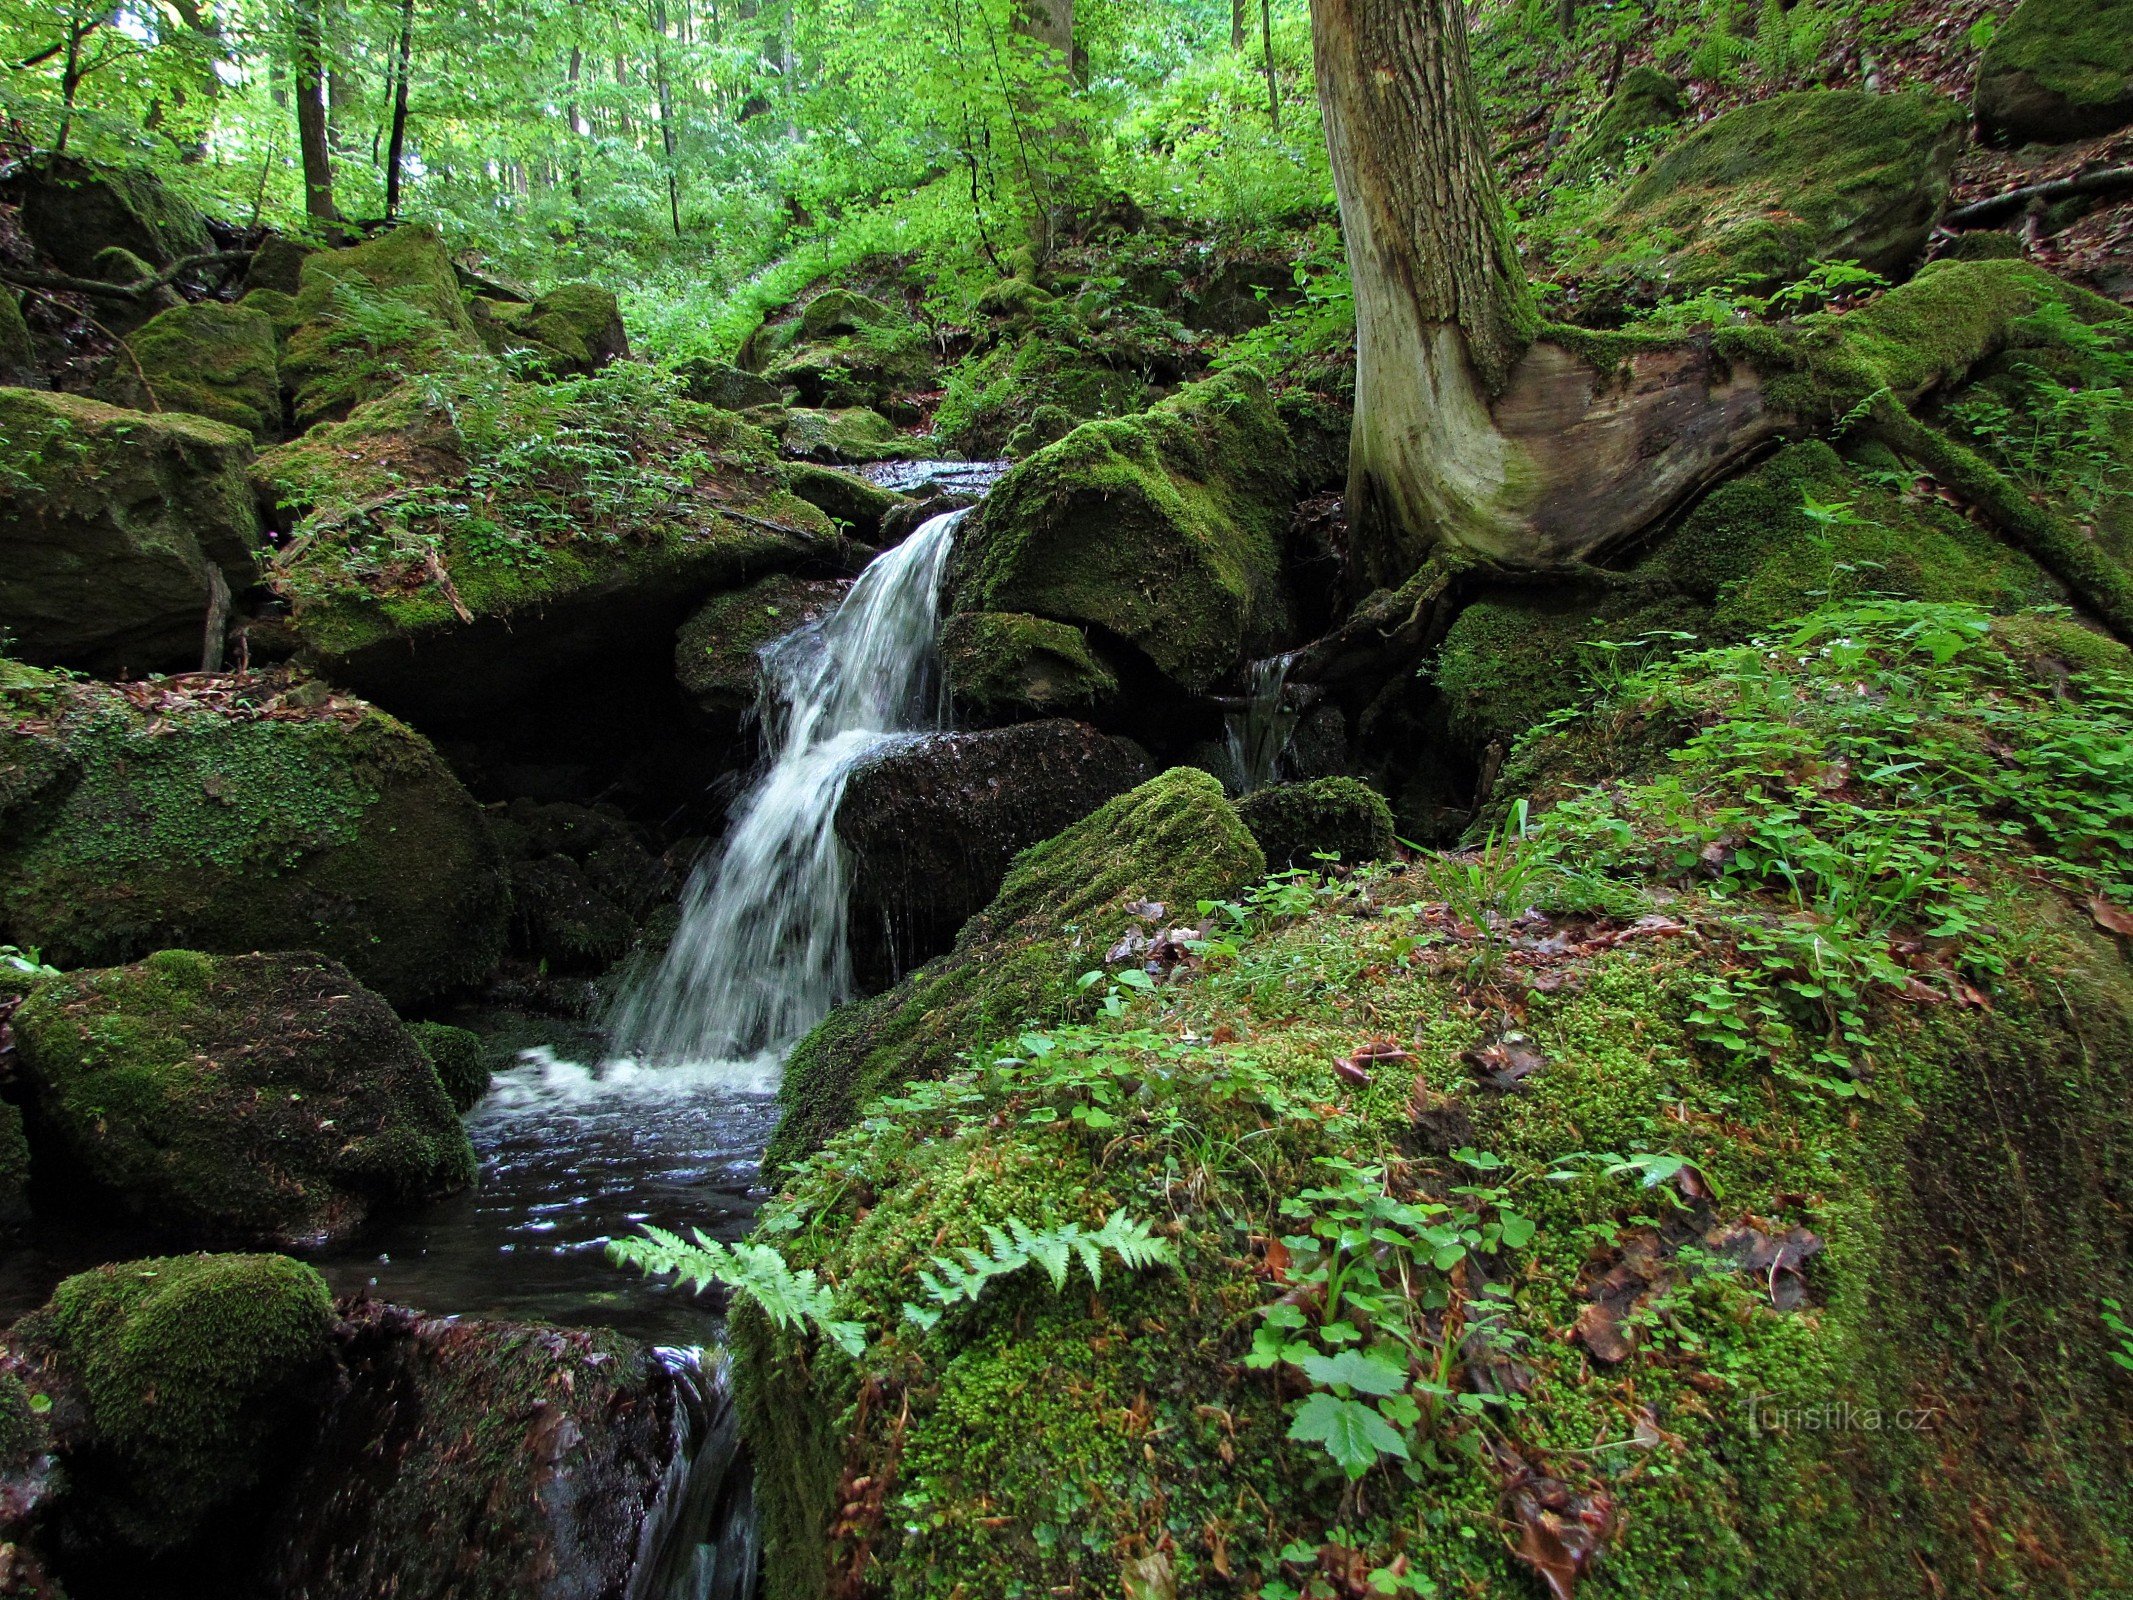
x,y
1238,11
666,112
396,145
310,72
1266,47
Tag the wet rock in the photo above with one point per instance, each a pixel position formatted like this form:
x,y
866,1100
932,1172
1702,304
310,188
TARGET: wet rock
x,y
582,884
932,824
73,210
717,652
256,1099
174,1389
210,359
461,1060
1162,530
846,499
480,1460
2058,70
1174,840
1758,195
1002,663
121,527
1295,822
233,813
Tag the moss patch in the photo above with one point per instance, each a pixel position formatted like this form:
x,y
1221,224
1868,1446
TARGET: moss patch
x,y
460,1058
1003,662
1296,822
211,359
2058,70
716,653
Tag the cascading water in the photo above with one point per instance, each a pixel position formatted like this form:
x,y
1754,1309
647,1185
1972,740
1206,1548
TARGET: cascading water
x,y
760,956
1259,732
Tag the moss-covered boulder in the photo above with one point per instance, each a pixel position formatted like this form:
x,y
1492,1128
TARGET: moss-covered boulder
x,y
19,366
121,529
1626,1167
194,1375
717,651
73,210
575,328
239,813
853,435
211,359
2058,70
999,663
278,264
1297,823
255,1099
994,394
487,1461
846,498
1758,195
726,386
1644,102
1173,841
575,555
931,824
1161,531
373,314
461,1060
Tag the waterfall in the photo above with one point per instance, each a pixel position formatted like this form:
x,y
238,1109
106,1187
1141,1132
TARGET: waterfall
x,y
1259,732
760,956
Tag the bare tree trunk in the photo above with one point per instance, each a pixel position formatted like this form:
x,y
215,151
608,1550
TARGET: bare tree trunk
x,y
1266,47
396,146
666,112
310,65
577,129
1238,11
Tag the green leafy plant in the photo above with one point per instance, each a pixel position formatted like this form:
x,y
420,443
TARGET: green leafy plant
x,y
961,1279
757,1272
2114,1322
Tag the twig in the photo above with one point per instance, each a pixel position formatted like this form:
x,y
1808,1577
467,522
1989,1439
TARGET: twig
x,y
64,309
1982,213
131,293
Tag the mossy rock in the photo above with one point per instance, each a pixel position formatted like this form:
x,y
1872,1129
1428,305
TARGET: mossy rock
x,y
73,210
278,308
19,366
994,395
1759,194
460,1058
14,1170
1012,299
2058,70
1794,1323
1295,823
722,384
1175,840
716,653
855,435
239,814
551,1454
1163,531
375,313
278,264
846,311
573,329
1001,663
254,1099
196,1372
211,359
1645,101
845,498
563,568
120,526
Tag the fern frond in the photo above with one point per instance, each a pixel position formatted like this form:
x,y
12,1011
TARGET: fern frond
x,y
755,1271
1018,1245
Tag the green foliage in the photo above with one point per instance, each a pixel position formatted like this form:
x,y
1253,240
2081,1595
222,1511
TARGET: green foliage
x,y
756,1271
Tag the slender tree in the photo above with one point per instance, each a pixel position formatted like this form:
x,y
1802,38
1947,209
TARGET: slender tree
x,y
309,64
396,143
1266,51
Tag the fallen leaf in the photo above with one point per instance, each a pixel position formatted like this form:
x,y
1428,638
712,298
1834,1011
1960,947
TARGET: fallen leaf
x,y
2112,919
1505,1062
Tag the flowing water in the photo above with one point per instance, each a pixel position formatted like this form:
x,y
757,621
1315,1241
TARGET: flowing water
x,y
1259,733
760,956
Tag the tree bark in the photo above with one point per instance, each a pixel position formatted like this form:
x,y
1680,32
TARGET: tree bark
x,y
396,145
310,72
1238,11
1266,47
666,112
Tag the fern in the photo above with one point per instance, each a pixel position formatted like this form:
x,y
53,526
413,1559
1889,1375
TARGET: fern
x,y
756,1271
1018,1245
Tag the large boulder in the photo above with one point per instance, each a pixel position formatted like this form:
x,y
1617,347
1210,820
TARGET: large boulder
x,y
1000,664
717,651
1298,823
239,813
373,314
846,498
122,529
2058,70
254,1099
491,1461
1162,531
175,1388
1171,842
573,329
572,564
73,210
1758,195
931,824
210,359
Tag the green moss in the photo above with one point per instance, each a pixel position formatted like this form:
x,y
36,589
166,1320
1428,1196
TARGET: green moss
x,y
1000,661
1758,195
241,822
245,1098
2057,70
845,311
1162,530
212,359
573,328
74,209
277,307
995,392
1941,1401
374,313
191,1368
1296,822
461,1060
854,433
716,651
1645,101
1174,840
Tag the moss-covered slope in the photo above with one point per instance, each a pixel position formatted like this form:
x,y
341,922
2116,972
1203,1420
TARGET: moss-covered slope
x,y
1716,1187
239,813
